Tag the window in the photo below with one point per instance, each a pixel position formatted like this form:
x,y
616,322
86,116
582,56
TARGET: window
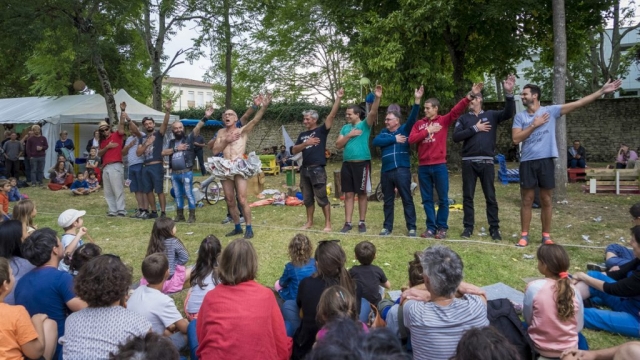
x,y
191,99
209,98
200,99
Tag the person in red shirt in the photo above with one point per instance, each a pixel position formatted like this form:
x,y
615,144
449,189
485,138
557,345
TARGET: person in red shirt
x,y
5,187
430,133
112,167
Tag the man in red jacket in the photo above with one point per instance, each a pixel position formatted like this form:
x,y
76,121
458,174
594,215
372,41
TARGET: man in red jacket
x,y
430,133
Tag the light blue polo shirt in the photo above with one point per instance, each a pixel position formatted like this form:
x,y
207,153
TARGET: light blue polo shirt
x,y
541,144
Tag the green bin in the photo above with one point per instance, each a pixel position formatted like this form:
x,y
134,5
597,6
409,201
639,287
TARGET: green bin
x,y
291,177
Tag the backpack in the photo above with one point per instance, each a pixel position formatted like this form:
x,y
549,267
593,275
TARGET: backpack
x,y
503,317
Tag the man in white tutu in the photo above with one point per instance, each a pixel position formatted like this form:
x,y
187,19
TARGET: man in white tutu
x,y
232,169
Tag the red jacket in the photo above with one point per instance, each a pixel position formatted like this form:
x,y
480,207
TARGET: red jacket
x,y
242,322
432,148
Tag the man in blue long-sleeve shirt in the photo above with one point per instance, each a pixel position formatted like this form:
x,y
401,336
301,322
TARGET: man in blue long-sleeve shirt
x,y
477,129
396,165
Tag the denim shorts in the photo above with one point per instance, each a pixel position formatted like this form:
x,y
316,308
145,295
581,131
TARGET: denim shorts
x,y
152,178
135,175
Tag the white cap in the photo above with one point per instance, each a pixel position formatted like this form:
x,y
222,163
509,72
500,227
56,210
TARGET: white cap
x,y
68,217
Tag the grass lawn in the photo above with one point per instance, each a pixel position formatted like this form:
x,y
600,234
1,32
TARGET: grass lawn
x,y
486,262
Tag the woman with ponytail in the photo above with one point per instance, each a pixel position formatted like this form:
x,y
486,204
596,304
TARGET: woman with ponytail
x,y
330,262
552,307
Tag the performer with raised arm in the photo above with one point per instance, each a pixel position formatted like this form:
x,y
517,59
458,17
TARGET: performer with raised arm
x,y
233,169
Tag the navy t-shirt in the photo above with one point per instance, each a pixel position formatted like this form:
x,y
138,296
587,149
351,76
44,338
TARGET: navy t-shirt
x,y
369,278
314,155
153,152
46,290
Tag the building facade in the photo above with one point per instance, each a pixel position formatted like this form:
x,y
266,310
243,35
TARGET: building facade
x,y
190,93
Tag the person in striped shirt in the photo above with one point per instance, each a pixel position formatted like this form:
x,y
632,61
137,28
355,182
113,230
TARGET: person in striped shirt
x,y
438,317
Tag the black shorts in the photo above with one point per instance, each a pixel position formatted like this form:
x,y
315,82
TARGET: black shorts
x,y
313,183
537,173
356,177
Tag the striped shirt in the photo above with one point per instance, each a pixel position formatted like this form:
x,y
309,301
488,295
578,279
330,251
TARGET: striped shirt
x,y
436,330
132,158
176,253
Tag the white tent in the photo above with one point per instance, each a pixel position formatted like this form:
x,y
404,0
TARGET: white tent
x,y
77,114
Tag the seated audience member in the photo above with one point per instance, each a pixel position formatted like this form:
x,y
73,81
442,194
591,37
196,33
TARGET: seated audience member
x,y
82,255
330,261
368,277
204,276
437,318
11,235
158,308
93,164
242,307
346,340
616,290
336,303
93,182
14,194
94,332
302,265
283,158
628,351
20,335
25,211
60,178
80,186
577,156
5,188
45,289
616,254
146,347
71,223
551,331
68,166
485,344
626,158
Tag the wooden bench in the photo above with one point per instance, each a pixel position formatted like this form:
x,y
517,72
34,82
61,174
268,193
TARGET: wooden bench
x,y
617,181
577,174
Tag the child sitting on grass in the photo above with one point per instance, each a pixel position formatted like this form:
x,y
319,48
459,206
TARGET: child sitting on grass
x,y
71,222
336,303
34,337
158,308
163,240
301,266
5,188
94,184
82,255
80,185
14,194
368,277
204,276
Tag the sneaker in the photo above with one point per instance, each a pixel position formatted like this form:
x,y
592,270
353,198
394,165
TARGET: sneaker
x,y
413,233
523,242
441,234
241,219
248,234
346,228
362,228
163,214
428,235
235,232
121,215
136,214
226,220
495,234
385,232
111,215
153,215
546,240
144,215
466,233
597,267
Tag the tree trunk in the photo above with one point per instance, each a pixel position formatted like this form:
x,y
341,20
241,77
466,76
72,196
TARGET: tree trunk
x,y
559,83
106,88
156,75
228,54
499,89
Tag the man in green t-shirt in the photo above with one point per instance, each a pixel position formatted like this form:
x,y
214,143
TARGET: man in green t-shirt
x,y
356,167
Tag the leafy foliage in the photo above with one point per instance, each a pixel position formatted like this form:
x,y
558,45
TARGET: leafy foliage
x,y
278,113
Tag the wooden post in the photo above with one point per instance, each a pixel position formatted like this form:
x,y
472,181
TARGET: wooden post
x,y
336,180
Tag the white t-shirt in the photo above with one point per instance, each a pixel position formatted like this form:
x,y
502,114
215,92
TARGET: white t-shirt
x,y
66,239
157,307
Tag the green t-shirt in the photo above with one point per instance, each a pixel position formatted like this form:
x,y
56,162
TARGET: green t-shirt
x,y
357,148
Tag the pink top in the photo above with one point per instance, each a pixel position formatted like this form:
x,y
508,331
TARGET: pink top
x,y
631,156
550,335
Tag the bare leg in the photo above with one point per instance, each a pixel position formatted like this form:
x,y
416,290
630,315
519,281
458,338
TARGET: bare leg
x,y
525,209
50,338
326,210
241,188
609,255
546,213
309,224
142,200
187,278
362,206
163,202
348,206
230,196
152,201
583,289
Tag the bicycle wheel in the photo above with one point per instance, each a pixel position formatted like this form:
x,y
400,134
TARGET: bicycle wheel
x,y
379,193
212,193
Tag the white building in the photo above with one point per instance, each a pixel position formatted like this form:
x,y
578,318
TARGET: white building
x,y
630,84
191,93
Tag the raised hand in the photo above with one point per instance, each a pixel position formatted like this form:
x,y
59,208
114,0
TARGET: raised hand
x,y
257,100
419,92
509,83
483,126
477,88
434,128
401,139
82,231
340,93
541,120
123,106
378,91
266,100
167,105
312,141
611,86
208,112
354,132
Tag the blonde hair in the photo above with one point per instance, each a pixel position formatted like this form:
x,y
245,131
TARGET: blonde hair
x,y
300,250
238,262
336,302
22,212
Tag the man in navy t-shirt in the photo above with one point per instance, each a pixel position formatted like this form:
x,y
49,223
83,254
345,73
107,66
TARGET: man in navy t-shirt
x,y
45,289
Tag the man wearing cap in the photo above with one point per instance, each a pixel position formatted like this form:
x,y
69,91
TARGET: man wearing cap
x,y
150,146
112,167
181,152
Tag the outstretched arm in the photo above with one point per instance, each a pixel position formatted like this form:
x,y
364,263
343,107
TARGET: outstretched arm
x,y
167,115
247,114
510,104
266,100
373,112
207,115
334,110
607,88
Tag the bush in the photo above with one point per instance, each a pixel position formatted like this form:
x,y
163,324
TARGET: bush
x,y
279,113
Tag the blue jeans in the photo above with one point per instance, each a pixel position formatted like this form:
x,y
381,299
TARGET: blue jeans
x,y
192,339
438,176
399,178
365,309
623,317
577,163
183,185
291,315
623,255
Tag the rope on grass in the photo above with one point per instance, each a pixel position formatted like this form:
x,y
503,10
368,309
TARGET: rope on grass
x,y
457,241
